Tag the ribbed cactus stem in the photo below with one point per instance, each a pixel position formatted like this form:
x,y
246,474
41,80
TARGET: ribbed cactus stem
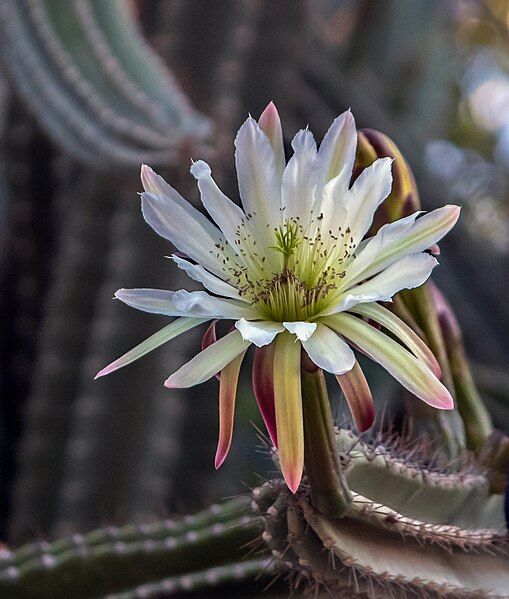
x,y
237,572
106,561
329,490
215,514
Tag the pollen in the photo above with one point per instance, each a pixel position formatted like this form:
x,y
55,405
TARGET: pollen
x,y
297,276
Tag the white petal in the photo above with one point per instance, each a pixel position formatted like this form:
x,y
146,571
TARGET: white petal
x,y
208,280
337,150
334,206
328,351
299,178
261,332
406,273
260,190
177,327
368,191
401,238
226,214
156,301
270,124
154,183
190,231
208,362
303,330
200,303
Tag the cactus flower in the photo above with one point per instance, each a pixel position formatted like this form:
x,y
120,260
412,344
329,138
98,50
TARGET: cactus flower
x,y
293,270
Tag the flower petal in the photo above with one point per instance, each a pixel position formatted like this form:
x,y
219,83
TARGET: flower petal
x,y
260,190
395,325
189,230
401,238
302,330
207,279
337,150
154,183
369,190
177,327
263,387
155,301
328,351
227,395
270,124
209,361
288,404
398,361
406,273
299,179
358,396
261,332
225,213
200,303
210,337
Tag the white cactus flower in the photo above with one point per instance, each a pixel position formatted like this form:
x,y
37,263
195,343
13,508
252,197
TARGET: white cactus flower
x,y
293,270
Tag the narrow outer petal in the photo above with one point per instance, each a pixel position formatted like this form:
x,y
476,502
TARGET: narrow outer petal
x,y
263,387
227,396
358,396
209,361
169,332
270,124
398,361
328,351
288,403
395,325
210,337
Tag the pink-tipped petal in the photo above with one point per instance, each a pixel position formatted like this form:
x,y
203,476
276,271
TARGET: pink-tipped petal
x,y
411,372
384,317
227,395
205,364
358,396
263,387
288,404
210,337
270,124
169,332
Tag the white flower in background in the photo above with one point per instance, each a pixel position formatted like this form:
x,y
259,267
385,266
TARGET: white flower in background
x,y
293,270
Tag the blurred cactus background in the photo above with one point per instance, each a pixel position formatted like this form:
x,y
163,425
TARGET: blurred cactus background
x,y
89,90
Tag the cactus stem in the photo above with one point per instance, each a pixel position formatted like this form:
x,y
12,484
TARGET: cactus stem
x,y
329,491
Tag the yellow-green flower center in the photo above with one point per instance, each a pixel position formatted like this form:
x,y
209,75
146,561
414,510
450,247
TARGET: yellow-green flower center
x,y
304,271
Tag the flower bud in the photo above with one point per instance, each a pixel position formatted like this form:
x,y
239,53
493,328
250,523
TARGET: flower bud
x,y
404,197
